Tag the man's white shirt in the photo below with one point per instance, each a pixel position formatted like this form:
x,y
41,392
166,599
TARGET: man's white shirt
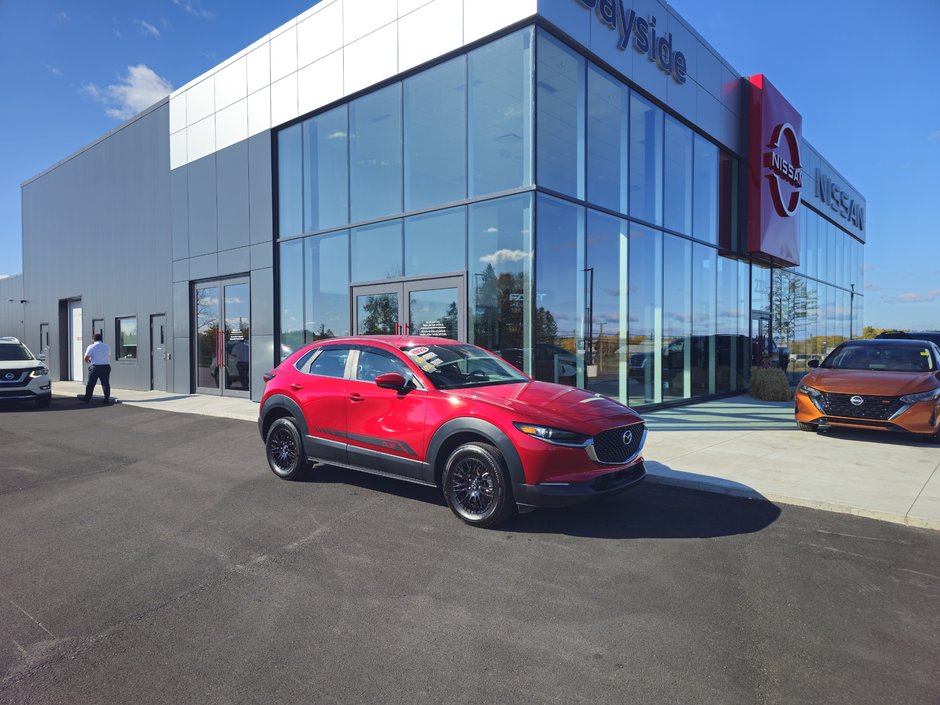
x,y
99,352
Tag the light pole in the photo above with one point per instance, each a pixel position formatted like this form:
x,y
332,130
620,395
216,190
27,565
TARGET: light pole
x,y
23,317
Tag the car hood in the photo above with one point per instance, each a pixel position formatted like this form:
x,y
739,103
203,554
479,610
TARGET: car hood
x,y
20,364
552,403
874,382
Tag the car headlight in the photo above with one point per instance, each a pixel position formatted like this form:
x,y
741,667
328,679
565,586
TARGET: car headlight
x,y
553,435
39,372
810,391
932,395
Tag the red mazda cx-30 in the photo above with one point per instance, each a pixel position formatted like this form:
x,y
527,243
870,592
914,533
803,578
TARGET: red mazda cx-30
x,y
450,415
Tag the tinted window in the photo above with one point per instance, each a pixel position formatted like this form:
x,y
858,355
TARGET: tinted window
x,y
678,175
326,195
14,352
329,363
462,366
436,242
377,251
607,127
646,160
375,154
290,207
373,363
889,358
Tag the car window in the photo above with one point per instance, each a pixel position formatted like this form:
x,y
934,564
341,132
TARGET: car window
x,y
14,351
331,362
373,363
460,366
889,358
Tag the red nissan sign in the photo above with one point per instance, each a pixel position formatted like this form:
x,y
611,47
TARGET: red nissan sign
x,y
775,174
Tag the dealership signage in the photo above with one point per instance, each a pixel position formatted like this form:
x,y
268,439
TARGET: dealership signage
x,y
831,194
775,174
642,32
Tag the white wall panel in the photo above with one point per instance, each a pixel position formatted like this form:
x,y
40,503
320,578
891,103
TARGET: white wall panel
x,y
430,31
259,111
200,101
259,68
319,35
177,113
231,124
284,54
231,84
371,59
284,100
320,83
406,6
200,139
178,149
361,17
482,17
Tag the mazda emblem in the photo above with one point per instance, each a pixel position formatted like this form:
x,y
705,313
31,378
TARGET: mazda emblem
x,y
627,437
857,401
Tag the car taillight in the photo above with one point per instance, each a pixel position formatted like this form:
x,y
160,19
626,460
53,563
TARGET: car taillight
x,y
268,376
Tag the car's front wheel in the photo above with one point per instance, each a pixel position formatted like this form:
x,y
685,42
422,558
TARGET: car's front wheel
x,y
284,450
476,486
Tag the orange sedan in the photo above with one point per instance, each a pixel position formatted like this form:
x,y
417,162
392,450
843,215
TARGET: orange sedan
x,y
886,385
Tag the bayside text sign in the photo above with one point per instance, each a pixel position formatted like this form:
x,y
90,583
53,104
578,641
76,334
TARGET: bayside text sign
x,y
642,30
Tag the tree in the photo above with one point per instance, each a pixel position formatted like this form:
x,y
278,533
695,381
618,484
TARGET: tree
x,y
381,316
790,305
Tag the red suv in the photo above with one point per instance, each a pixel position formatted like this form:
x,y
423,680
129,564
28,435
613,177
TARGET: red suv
x,y
449,415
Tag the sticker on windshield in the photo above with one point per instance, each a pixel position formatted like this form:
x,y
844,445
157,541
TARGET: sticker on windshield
x,y
417,351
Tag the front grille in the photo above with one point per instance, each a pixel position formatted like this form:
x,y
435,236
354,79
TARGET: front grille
x,y
609,446
872,407
17,379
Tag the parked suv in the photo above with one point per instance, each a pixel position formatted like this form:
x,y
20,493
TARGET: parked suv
x,y
932,336
451,415
22,374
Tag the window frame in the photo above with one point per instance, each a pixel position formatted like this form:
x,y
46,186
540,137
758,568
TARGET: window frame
x,y
118,345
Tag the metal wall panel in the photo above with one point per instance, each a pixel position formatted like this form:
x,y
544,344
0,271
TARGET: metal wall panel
x,y
232,196
203,210
261,188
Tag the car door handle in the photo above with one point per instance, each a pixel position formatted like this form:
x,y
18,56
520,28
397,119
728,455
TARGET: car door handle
x,y
356,396
296,387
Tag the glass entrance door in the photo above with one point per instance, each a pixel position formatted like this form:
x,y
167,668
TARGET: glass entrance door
x,y
222,324
426,307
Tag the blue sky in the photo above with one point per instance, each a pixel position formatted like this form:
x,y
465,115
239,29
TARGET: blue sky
x,y
862,73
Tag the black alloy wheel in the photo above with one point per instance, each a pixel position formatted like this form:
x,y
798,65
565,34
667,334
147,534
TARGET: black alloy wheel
x,y
284,450
476,486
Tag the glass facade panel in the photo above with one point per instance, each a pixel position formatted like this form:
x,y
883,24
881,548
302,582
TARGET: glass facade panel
x,y
704,319
559,287
326,182
291,278
645,320
560,95
499,76
436,242
290,182
376,251
677,196
326,281
435,109
500,280
705,197
676,350
375,173
646,160
727,326
607,140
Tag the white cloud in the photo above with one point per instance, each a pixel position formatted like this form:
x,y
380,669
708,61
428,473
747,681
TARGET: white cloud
x,y
147,29
140,88
934,136
117,33
62,17
194,8
55,70
913,297
501,256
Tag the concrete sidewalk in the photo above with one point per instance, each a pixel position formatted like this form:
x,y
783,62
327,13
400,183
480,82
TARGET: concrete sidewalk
x,y
737,446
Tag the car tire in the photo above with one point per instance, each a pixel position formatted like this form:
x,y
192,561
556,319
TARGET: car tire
x,y
284,450
807,426
476,485
44,400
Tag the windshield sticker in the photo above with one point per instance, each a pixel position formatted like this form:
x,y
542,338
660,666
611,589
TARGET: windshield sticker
x,y
417,351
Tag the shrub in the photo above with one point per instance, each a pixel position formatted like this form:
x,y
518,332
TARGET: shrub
x,y
769,384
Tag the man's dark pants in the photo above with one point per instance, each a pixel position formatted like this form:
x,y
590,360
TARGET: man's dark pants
x,y
96,372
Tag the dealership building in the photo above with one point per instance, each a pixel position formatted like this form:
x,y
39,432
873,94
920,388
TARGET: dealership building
x,y
583,186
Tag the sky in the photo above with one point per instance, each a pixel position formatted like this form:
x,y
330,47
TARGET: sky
x,y
863,74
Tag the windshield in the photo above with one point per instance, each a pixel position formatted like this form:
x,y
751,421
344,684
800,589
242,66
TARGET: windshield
x,y
462,366
15,351
893,357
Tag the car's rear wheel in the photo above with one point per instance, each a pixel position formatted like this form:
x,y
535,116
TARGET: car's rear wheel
x,y
476,486
284,450
807,426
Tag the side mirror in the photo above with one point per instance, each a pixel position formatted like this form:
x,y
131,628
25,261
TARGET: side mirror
x,y
814,363
41,357
390,380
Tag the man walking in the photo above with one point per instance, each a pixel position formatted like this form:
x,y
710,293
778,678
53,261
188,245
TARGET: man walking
x,y
98,358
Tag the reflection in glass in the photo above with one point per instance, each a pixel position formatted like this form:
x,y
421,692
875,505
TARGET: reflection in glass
x,y
435,105
645,305
436,242
326,284
607,146
646,160
500,109
237,336
291,267
375,172
326,194
377,251
289,182
676,350
559,286
704,319
705,191
677,197
433,312
500,289
560,120
728,343
377,314
208,318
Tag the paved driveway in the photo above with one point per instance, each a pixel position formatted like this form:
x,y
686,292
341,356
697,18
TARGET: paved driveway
x,y
149,557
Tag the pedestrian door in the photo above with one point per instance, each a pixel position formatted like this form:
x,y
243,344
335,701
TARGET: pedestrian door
x,y
222,325
426,307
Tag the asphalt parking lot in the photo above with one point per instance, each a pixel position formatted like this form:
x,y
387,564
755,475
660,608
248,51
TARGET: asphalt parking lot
x,y
151,557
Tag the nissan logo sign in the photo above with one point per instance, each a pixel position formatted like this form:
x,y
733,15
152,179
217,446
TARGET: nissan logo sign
x,y
857,401
627,437
9,375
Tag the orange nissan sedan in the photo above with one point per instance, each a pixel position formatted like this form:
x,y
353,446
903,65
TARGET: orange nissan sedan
x,y
886,385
